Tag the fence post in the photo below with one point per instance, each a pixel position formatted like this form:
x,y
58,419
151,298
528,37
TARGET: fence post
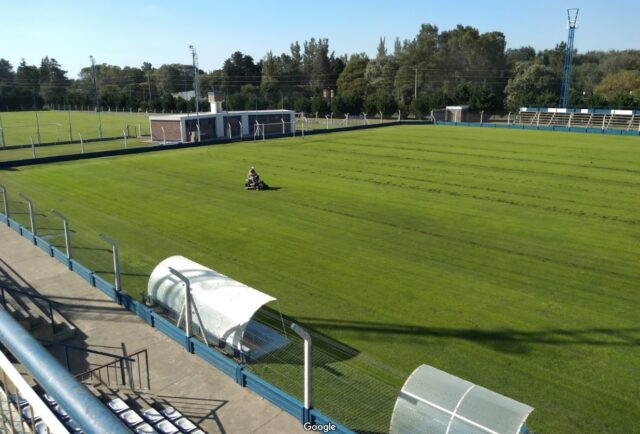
x,y
116,264
67,235
307,370
32,217
81,144
33,148
124,133
5,202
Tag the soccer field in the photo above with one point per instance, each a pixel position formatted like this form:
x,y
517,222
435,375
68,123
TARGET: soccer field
x,y
506,257
19,128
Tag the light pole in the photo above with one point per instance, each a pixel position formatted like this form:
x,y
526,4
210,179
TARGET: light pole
x,y
96,94
194,58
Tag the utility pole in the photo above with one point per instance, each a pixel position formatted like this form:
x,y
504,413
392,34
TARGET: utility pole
x,y
149,83
194,58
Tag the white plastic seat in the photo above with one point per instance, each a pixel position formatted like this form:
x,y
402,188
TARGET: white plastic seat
x,y
166,427
185,425
145,428
59,411
130,417
27,414
49,399
152,415
73,427
171,413
117,405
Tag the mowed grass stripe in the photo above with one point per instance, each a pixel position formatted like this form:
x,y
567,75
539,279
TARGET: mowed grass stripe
x,y
409,244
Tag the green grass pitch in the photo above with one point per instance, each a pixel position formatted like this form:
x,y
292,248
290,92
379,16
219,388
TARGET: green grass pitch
x,y
19,128
509,258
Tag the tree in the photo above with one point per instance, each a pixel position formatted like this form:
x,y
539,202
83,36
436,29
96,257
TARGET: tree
x,y
7,77
386,104
27,85
516,55
239,70
352,79
370,105
532,84
623,100
381,71
316,64
620,82
173,78
53,82
319,104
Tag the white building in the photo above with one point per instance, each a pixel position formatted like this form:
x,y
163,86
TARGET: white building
x,y
218,123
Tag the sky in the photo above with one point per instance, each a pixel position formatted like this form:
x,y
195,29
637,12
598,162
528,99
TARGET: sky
x,y
127,33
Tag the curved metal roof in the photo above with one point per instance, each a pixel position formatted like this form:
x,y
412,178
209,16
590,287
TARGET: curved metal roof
x,y
436,402
225,305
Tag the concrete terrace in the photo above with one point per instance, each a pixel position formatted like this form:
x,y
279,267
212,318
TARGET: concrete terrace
x,y
208,397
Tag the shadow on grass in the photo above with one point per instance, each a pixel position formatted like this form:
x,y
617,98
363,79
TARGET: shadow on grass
x,y
504,340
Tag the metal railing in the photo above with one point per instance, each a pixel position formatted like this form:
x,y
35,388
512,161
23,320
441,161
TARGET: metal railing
x,y
119,366
84,408
49,302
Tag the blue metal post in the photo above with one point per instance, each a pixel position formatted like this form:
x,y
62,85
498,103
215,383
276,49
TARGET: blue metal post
x,y
572,15
85,409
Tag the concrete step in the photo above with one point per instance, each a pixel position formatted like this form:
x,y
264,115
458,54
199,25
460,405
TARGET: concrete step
x,y
45,333
33,315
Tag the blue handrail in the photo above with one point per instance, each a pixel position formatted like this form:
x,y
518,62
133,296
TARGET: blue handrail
x,y
85,409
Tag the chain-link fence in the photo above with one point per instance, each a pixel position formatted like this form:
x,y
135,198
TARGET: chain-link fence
x,y
348,386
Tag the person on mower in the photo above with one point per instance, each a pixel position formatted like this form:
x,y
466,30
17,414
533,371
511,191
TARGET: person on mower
x,y
253,176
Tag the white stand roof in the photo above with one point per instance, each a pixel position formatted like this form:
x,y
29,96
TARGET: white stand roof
x,y
225,305
435,402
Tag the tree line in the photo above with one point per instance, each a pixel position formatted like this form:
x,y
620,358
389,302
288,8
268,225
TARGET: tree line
x,y
460,66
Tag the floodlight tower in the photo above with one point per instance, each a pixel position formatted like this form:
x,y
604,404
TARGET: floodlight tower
x,y
194,58
572,16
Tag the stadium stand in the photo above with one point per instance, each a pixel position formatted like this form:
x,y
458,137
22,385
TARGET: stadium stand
x,y
603,119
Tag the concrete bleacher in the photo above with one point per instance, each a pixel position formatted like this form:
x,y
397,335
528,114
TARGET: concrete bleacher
x,y
35,313
208,398
623,120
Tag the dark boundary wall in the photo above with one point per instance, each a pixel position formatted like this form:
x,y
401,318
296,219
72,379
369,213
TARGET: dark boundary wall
x,y
67,142
140,150
542,128
226,365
